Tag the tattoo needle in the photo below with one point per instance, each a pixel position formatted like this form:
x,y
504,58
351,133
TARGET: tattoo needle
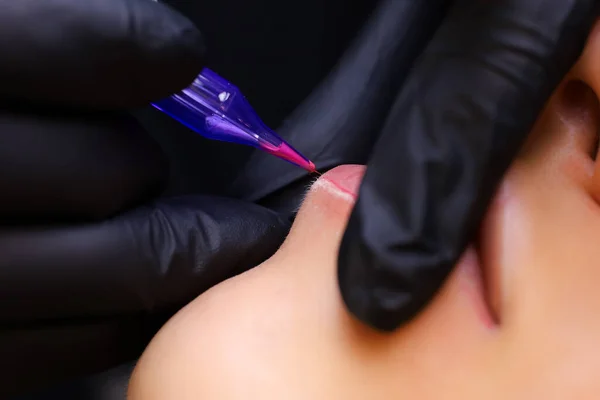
x,y
216,109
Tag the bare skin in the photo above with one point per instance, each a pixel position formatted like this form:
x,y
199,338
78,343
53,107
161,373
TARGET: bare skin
x,y
529,330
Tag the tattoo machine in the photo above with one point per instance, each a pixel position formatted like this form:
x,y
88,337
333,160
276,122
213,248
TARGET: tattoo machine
x,y
216,109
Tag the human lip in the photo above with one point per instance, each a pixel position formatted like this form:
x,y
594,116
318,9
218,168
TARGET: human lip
x,y
345,179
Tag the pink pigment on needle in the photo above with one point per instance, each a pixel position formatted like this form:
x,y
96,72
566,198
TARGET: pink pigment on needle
x,y
286,152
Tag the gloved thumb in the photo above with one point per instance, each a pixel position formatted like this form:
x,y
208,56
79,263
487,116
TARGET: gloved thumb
x,y
157,256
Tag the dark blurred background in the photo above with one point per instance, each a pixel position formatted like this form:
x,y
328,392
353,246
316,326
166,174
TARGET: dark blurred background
x,y
276,52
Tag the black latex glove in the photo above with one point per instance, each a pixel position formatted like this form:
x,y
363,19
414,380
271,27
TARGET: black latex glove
x,y
81,237
454,129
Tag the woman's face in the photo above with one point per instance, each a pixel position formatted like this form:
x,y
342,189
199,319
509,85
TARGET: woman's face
x,y
518,319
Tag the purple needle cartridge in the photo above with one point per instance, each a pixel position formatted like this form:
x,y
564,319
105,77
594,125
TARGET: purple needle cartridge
x,y
217,110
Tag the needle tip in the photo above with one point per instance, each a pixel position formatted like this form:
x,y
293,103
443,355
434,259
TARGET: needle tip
x,y
312,169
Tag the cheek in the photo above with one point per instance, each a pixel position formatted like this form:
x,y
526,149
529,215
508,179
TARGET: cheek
x,y
546,219
546,233
558,269
548,236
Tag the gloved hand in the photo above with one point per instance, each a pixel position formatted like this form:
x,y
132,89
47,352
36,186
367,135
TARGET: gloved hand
x,y
83,236
455,127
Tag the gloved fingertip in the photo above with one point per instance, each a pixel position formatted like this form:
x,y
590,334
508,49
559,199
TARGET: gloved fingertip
x,y
174,49
374,293
382,311
185,37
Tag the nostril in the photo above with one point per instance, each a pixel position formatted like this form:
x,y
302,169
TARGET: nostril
x,y
579,109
